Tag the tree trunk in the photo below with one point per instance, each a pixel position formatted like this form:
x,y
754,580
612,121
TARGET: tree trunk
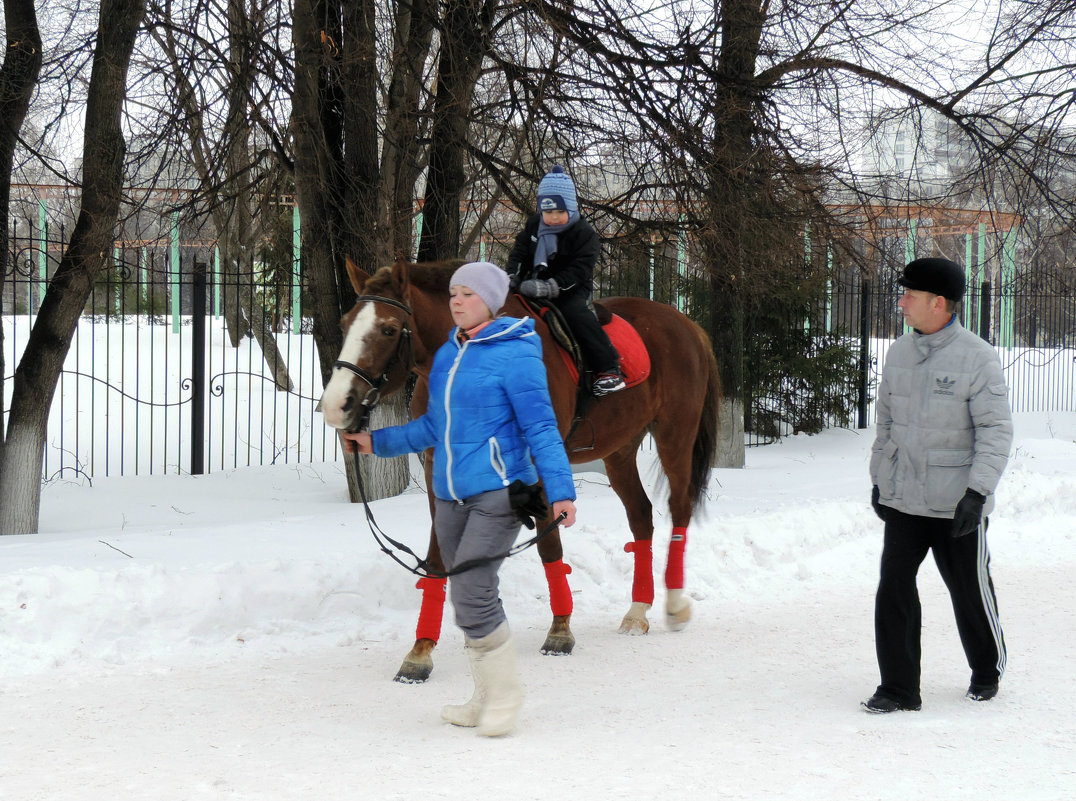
x,y
731,248
400,162
88,254
313,129
18,77
465,41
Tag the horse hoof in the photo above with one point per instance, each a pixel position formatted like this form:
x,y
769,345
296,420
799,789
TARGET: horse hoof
x,y
413,672
558,644
677,610
634,626
677,621
635,621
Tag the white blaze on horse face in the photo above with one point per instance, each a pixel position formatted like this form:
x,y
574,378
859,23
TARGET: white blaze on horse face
x,y
335,396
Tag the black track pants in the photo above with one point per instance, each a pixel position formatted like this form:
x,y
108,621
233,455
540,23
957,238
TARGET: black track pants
x,y
964,565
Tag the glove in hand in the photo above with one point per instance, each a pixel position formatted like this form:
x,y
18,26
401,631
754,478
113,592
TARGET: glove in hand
x,y
513,282
540,288
969,513
528,502
879,510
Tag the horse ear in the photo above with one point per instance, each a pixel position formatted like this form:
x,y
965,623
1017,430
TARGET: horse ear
x,y
401,278
357,276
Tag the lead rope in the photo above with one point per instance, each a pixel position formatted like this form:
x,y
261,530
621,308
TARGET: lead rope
x,y
422,566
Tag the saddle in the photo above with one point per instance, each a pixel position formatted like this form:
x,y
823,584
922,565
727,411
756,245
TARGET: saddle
x,y
632,353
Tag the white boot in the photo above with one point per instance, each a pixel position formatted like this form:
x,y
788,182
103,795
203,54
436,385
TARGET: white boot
x,y
497,668
467,714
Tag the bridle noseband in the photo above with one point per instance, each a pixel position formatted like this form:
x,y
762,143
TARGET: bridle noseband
x,y
373,395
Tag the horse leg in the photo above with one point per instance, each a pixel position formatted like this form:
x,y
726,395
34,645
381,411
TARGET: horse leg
x,y
559,639
674,452
623,475
418,664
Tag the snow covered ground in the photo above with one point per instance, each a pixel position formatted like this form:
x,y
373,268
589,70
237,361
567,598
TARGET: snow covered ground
x,y
234,636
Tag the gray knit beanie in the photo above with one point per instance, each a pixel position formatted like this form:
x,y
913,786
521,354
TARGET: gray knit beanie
x,y
485,279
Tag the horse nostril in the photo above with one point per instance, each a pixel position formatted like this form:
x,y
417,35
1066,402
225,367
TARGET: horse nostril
x,y
349,403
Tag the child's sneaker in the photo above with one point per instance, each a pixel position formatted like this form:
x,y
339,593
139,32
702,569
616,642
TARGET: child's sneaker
x,y
607,382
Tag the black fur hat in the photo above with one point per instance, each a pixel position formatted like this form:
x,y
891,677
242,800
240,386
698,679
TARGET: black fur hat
x,y
940,276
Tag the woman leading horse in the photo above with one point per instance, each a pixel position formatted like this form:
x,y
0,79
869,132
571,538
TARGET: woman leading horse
x,y
402,317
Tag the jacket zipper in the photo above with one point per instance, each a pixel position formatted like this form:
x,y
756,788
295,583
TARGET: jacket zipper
x,y
448,422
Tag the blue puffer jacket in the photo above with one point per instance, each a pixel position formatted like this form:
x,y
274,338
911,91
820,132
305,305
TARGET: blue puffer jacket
x,y
489,413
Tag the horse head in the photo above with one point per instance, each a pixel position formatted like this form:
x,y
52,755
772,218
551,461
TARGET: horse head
x,y
377,355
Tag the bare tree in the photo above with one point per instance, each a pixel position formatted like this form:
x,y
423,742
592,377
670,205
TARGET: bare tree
x,y
752,116
88,254
213,59
18,76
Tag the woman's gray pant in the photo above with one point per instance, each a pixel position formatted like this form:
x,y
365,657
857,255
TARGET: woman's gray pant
x,y
484,525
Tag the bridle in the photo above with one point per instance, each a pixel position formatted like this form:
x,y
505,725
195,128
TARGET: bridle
x,y
373,395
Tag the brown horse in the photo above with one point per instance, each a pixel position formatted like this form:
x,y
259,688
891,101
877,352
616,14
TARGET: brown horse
x,y
402,317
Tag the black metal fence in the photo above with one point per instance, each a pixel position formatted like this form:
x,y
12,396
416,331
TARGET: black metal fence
x,y
157,380
176,367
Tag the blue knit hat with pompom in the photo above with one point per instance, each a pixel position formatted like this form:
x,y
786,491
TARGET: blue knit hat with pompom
x,y
556,192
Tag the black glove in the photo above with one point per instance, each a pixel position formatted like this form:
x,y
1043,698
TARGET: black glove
x,y
879,510
540,288
513,282
969,513
527,502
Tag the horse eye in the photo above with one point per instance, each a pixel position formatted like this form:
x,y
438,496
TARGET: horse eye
x,y
388,331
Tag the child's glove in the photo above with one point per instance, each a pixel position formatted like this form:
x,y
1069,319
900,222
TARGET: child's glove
x,y
540,288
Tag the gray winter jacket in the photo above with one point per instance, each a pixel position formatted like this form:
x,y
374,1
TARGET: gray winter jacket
x,y
944,424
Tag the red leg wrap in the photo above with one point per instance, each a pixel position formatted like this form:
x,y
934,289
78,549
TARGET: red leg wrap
x,y
433,608
674,568
642,586
560,594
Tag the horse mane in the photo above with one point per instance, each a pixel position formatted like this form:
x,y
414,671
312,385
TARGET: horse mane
x,y
429,276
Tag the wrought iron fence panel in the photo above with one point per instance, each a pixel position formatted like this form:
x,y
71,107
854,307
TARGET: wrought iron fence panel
x,y
153,382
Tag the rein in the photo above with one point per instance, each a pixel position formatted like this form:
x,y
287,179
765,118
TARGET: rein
x,y
422,566
373,396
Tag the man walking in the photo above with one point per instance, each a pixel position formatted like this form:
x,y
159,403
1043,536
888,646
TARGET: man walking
x,y
943,438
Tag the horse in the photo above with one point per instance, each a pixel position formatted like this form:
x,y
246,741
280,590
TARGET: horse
x,y
400,319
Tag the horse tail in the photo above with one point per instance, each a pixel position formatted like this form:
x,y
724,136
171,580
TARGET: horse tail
x,y
705,446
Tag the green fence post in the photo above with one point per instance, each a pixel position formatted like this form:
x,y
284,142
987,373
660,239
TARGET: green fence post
x,y
807,263
143,276
983,274
217,283
1007,323
653,247
972,290
296,272
829,288
909,255
681,265
42,255
418,231
174,272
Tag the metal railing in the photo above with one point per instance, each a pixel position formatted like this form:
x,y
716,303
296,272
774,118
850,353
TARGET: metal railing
x,y
154,382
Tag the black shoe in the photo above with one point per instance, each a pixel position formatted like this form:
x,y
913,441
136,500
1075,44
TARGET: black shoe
x,y
607,382
883,704
982,692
